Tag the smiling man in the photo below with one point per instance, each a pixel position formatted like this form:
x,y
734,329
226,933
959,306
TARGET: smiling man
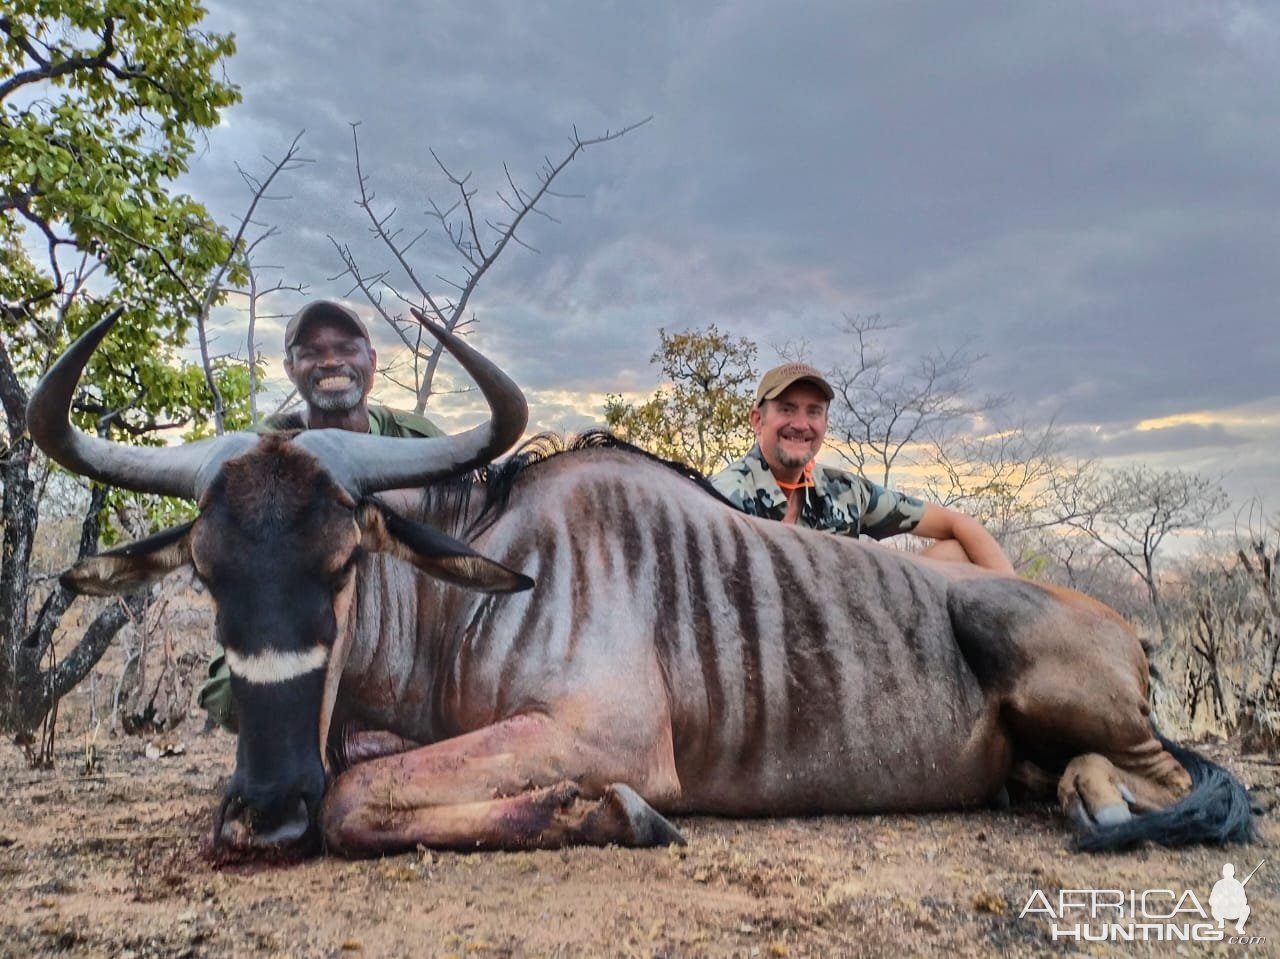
x,y
779,479
330,358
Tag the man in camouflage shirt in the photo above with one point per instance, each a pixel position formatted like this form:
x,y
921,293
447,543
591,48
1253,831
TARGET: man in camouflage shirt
x,y
778,479
330,358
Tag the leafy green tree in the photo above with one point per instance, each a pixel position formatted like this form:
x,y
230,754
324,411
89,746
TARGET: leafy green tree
x,y
100,105
700,416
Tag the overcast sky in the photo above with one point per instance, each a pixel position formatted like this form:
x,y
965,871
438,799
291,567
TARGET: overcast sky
x,y
1087,192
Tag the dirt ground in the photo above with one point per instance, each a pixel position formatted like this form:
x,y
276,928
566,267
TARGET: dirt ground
x,y
111,861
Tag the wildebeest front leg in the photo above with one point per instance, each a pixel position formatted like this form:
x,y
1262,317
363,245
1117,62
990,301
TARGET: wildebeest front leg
x,y
546,818
513,785
363,745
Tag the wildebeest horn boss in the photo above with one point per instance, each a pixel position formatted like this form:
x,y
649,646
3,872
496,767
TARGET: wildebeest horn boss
x,y
657,652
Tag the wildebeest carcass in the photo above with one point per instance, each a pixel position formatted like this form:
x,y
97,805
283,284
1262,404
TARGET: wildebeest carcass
x,y
611,642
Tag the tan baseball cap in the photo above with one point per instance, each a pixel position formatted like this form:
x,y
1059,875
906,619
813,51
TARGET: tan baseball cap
x,y
323,309
776,381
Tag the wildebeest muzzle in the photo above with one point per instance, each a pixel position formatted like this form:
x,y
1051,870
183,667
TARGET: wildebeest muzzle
x,y
273,798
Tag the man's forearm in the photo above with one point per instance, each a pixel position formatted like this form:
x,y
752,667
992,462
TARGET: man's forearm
x,y
981,546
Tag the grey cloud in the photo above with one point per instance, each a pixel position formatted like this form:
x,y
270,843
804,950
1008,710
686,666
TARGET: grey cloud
x,y
1167,439
1086,190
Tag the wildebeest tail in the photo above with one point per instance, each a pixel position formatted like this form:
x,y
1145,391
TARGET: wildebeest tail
x,y
1216,811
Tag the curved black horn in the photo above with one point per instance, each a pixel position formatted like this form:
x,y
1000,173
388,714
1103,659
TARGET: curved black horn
x,y
370,464
169,471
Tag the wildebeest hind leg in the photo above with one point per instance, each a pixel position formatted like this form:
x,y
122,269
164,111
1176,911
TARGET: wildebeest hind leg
x,y
1095,792
1071,681
1117,764
1082,691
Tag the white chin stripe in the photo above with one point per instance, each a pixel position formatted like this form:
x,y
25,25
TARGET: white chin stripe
x,y
276,667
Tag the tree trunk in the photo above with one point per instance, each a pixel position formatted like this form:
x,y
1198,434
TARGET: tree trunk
x,y
29,684
20,518
19,514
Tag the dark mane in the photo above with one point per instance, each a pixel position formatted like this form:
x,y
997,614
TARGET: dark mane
x,y
498,479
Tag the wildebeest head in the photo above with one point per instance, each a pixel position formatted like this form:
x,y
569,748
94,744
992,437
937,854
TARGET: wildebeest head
x,y
283,521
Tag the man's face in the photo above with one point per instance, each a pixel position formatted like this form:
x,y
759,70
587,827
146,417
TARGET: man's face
x,y
790,427
331,365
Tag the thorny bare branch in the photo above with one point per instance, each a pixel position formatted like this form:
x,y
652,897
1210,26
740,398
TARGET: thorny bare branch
x,y
461,224
882,411
287,163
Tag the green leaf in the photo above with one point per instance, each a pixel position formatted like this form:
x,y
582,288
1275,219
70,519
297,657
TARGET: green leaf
x,y
89,157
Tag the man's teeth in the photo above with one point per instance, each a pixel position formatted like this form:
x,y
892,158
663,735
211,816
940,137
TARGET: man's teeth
x,y
334,383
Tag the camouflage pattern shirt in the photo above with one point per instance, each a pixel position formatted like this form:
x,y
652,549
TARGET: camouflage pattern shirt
x,y
838,501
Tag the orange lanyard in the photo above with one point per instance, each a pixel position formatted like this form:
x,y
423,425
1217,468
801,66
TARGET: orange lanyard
x,y
806,480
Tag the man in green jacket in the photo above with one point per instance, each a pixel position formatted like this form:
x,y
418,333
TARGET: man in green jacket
x,y
330,359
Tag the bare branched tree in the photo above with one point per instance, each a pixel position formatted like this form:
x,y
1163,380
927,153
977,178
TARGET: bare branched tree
x,y
1132,513
1072,559
1215,594
239,274
883,411
1005,479
1258,556
1000,478
468,236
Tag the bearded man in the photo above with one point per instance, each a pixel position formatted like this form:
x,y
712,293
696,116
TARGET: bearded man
x,y
780,479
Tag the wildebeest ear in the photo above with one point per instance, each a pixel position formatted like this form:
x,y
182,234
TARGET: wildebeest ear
x,y
435,553
128,567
